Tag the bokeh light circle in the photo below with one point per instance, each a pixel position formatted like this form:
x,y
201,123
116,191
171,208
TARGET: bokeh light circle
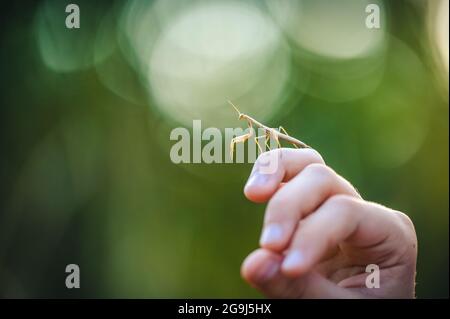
x,y
333,29
212,52
67,50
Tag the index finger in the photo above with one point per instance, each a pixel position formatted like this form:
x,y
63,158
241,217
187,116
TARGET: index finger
x,y
275,167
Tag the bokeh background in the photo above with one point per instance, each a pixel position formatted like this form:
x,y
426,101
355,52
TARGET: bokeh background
x,y
85,172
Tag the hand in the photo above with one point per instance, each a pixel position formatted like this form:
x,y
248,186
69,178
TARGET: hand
x,y
319,235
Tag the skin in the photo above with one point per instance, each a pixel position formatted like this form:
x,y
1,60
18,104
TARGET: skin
x,y
319,234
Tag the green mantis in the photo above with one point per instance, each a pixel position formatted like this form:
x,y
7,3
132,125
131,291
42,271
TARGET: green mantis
x,y
269,133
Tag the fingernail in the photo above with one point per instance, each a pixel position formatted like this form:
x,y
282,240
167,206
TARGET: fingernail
x,y
272,234
257,179
268,271
293,260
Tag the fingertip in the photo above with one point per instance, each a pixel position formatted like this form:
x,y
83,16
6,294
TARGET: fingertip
x,y
251,263
260,187
257,194
294,264
260,266
274,237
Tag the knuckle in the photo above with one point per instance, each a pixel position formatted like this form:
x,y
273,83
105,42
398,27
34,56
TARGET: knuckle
x,y
407,225
319,170
342,204
315,156
405,219
406,234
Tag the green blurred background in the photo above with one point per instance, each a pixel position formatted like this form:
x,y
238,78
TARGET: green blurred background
x,y
86,114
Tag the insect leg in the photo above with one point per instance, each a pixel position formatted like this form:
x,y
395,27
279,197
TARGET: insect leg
x,y
257,143
281,129
240,139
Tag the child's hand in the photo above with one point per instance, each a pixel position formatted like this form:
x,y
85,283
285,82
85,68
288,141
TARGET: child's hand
x,y
319,235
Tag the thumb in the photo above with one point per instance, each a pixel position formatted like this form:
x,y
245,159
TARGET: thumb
x,y
262,270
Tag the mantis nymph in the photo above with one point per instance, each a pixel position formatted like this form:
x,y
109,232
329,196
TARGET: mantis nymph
x,y
268,134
